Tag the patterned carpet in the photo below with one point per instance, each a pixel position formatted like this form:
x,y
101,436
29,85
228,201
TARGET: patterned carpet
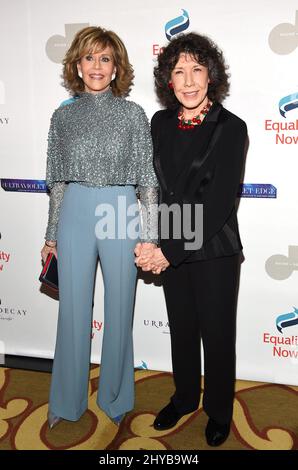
x,y
265,417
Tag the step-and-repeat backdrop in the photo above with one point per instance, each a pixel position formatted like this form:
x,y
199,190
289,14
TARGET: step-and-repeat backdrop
x,y
260,43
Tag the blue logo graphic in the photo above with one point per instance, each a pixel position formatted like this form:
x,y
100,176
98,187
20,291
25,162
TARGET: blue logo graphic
x,y
257,191
142,366
177,25
24,186
288,103
286,320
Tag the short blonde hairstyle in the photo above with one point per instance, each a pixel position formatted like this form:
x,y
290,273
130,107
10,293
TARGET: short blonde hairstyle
x,y
94,39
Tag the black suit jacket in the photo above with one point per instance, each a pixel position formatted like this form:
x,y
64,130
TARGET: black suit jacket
x,y
210,176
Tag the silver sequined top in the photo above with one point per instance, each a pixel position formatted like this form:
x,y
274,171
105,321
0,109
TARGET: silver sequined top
x,y
101,140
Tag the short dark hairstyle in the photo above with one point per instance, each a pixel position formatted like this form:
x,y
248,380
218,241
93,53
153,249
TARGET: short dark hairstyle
x,y
205,52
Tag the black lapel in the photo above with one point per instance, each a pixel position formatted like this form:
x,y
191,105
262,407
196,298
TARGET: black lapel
x,y
167,127
161,141
186,154
158,168
197,162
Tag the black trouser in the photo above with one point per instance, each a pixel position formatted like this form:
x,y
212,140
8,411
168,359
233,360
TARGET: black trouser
x,y
201,303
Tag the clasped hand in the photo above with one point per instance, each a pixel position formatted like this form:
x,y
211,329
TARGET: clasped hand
x,y
150,258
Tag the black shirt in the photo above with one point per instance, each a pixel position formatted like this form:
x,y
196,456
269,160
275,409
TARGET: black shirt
x,y
178,157
176,161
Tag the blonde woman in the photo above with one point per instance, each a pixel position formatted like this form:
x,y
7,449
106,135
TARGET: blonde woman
x,y
99,152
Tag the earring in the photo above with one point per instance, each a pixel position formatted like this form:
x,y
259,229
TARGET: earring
x,y
170,85
113,76
80,73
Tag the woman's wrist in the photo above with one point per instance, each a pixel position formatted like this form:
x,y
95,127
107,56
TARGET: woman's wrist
x,y
51,243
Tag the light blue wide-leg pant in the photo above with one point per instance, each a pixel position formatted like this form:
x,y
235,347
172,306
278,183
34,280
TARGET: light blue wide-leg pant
x,y
78,249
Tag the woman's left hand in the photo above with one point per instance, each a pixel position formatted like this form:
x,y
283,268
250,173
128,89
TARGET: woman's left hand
x,y
154,261
143,252
159,261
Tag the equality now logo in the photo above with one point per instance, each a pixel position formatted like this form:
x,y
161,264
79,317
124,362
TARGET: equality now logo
x,y
286,320
177,25
96,327
285,130
4,258
283,39
176,222
284,346
288,103
172,27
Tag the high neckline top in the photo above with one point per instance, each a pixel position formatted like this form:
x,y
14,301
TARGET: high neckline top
x,y
97,98
99,140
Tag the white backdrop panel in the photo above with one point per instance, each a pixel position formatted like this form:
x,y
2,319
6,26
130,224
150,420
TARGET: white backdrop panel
x,y
32,36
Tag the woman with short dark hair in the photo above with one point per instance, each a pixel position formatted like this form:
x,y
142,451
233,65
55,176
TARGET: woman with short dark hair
x,y
198,157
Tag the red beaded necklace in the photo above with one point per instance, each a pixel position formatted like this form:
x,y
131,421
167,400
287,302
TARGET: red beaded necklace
x,y
187,124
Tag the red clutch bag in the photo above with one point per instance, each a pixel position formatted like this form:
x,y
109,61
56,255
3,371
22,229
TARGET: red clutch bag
x,y
49,273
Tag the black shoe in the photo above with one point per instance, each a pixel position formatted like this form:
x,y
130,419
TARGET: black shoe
x,y
216,433
167,418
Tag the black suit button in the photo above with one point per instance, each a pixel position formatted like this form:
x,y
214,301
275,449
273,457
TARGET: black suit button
x,y
172,193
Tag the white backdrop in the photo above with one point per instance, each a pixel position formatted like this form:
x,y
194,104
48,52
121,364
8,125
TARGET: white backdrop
x,y
260,43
